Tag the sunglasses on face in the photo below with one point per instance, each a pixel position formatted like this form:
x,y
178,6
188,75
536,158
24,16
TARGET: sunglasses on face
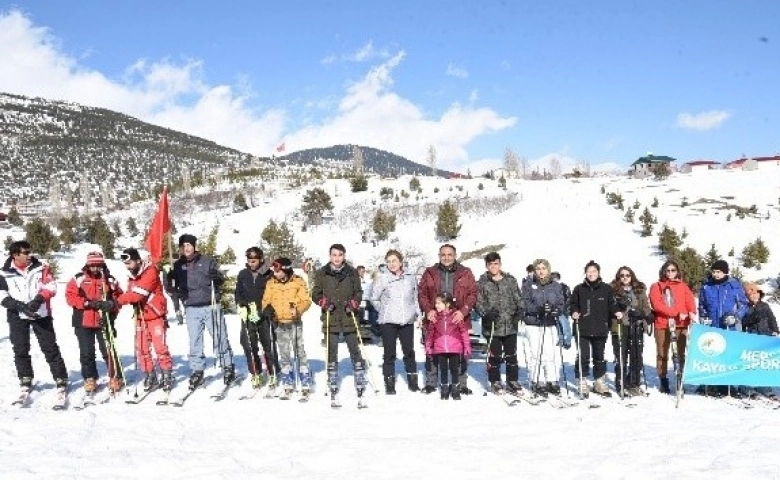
x,y
625,275
125,257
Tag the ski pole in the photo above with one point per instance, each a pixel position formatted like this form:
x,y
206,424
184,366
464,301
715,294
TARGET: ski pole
x,y
541,352
487,357
371,379
621,364
525,356
251,344
327,346
680,392
579,355
135,347
563,366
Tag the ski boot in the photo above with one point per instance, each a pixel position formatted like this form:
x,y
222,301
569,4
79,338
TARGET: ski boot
x,y
360,378
90,385
600,387
305,377
445,391
26,383
390,385
553,388
62,386
115,384
257,381
167,381
229,374
664,385
150,381
271,392
411,380
464,389
333,385
196,379
288,385
539,390
496,388
455,391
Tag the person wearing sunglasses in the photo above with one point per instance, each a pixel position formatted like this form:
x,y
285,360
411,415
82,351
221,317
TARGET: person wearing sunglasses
x,y
26,287
255,327
92,295
145,293
198,283
673,305
627,338
286,298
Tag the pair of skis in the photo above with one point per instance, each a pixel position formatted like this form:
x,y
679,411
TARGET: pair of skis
x,y
24,400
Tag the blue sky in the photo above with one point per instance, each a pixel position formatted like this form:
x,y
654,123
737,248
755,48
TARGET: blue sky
x,y
599,81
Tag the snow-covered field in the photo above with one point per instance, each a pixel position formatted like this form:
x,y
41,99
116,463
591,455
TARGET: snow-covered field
x,y
413,435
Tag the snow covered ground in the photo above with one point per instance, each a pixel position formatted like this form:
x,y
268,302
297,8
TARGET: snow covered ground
x,y
413,435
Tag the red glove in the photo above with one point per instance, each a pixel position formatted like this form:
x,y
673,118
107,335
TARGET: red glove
x,y
326,305
352,306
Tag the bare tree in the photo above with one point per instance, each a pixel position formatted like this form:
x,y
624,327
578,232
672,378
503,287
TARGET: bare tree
x,y
432,159
555,167
357,159
511,163
524,167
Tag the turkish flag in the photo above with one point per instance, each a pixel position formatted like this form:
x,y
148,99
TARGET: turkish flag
x,y
161,225
280,148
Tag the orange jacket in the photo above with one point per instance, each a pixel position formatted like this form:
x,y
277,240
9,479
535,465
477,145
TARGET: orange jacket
x,y
682,302
83,288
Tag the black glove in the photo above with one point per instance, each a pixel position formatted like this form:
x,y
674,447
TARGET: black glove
x,y
35,303
13,304
545,309
90,304
269,313
105,305
555,313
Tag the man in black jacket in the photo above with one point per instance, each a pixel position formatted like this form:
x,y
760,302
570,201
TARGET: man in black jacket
x,y
250,287
197,280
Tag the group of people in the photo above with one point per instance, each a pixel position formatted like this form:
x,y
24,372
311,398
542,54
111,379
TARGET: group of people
x,y
271,298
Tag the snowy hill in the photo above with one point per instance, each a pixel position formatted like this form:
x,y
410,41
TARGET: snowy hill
x,y
412,435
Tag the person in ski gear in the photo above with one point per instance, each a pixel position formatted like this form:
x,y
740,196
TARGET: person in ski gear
x,y
336,290
722,301
627,334
447,342
542,304
679,311
251,284
564,325
92,295
499,305
394,294
150,307
26,289
592,305
197,280
286,298
447,276
760,320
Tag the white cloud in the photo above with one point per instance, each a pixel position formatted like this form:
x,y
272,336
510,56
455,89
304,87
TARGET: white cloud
x,y
362,54
176,95
702,121
455,71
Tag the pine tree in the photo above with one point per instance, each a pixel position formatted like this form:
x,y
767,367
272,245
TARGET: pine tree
x,y
99,232
447,226
359,183
41,236
414,184
228,257
668,240
692,267
67,233
647,220
117,228
754,254
239,203
209,247
14,218
661,170
712,255
315,203
279,241
629,216
383,224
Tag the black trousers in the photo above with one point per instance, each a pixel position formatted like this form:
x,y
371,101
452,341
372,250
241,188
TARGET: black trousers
x,y
390,334
43,328
449,367
591,347
351,339
264,333
502,349
633,345
86,338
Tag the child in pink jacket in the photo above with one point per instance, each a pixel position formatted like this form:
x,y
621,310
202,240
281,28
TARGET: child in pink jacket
x,y
447,341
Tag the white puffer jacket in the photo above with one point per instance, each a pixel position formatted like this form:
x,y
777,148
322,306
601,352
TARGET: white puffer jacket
x,y
395,298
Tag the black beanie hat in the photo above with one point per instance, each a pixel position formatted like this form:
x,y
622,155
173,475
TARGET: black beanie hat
x,y
187,238
720,265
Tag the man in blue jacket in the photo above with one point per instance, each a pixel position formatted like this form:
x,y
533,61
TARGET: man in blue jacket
x,y
722,301
197,280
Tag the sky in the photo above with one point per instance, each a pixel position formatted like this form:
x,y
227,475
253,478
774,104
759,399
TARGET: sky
x,y
603,82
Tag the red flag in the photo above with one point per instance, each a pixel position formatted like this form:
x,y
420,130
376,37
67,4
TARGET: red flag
x,y
161,225
280,148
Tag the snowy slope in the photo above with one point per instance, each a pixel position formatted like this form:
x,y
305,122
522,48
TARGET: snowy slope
x,y
411,435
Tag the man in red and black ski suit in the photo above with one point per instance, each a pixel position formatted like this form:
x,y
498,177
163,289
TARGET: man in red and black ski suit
x,y
92,294
447,276
145,294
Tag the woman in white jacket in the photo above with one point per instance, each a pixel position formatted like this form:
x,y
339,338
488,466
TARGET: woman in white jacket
x,y
394,295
